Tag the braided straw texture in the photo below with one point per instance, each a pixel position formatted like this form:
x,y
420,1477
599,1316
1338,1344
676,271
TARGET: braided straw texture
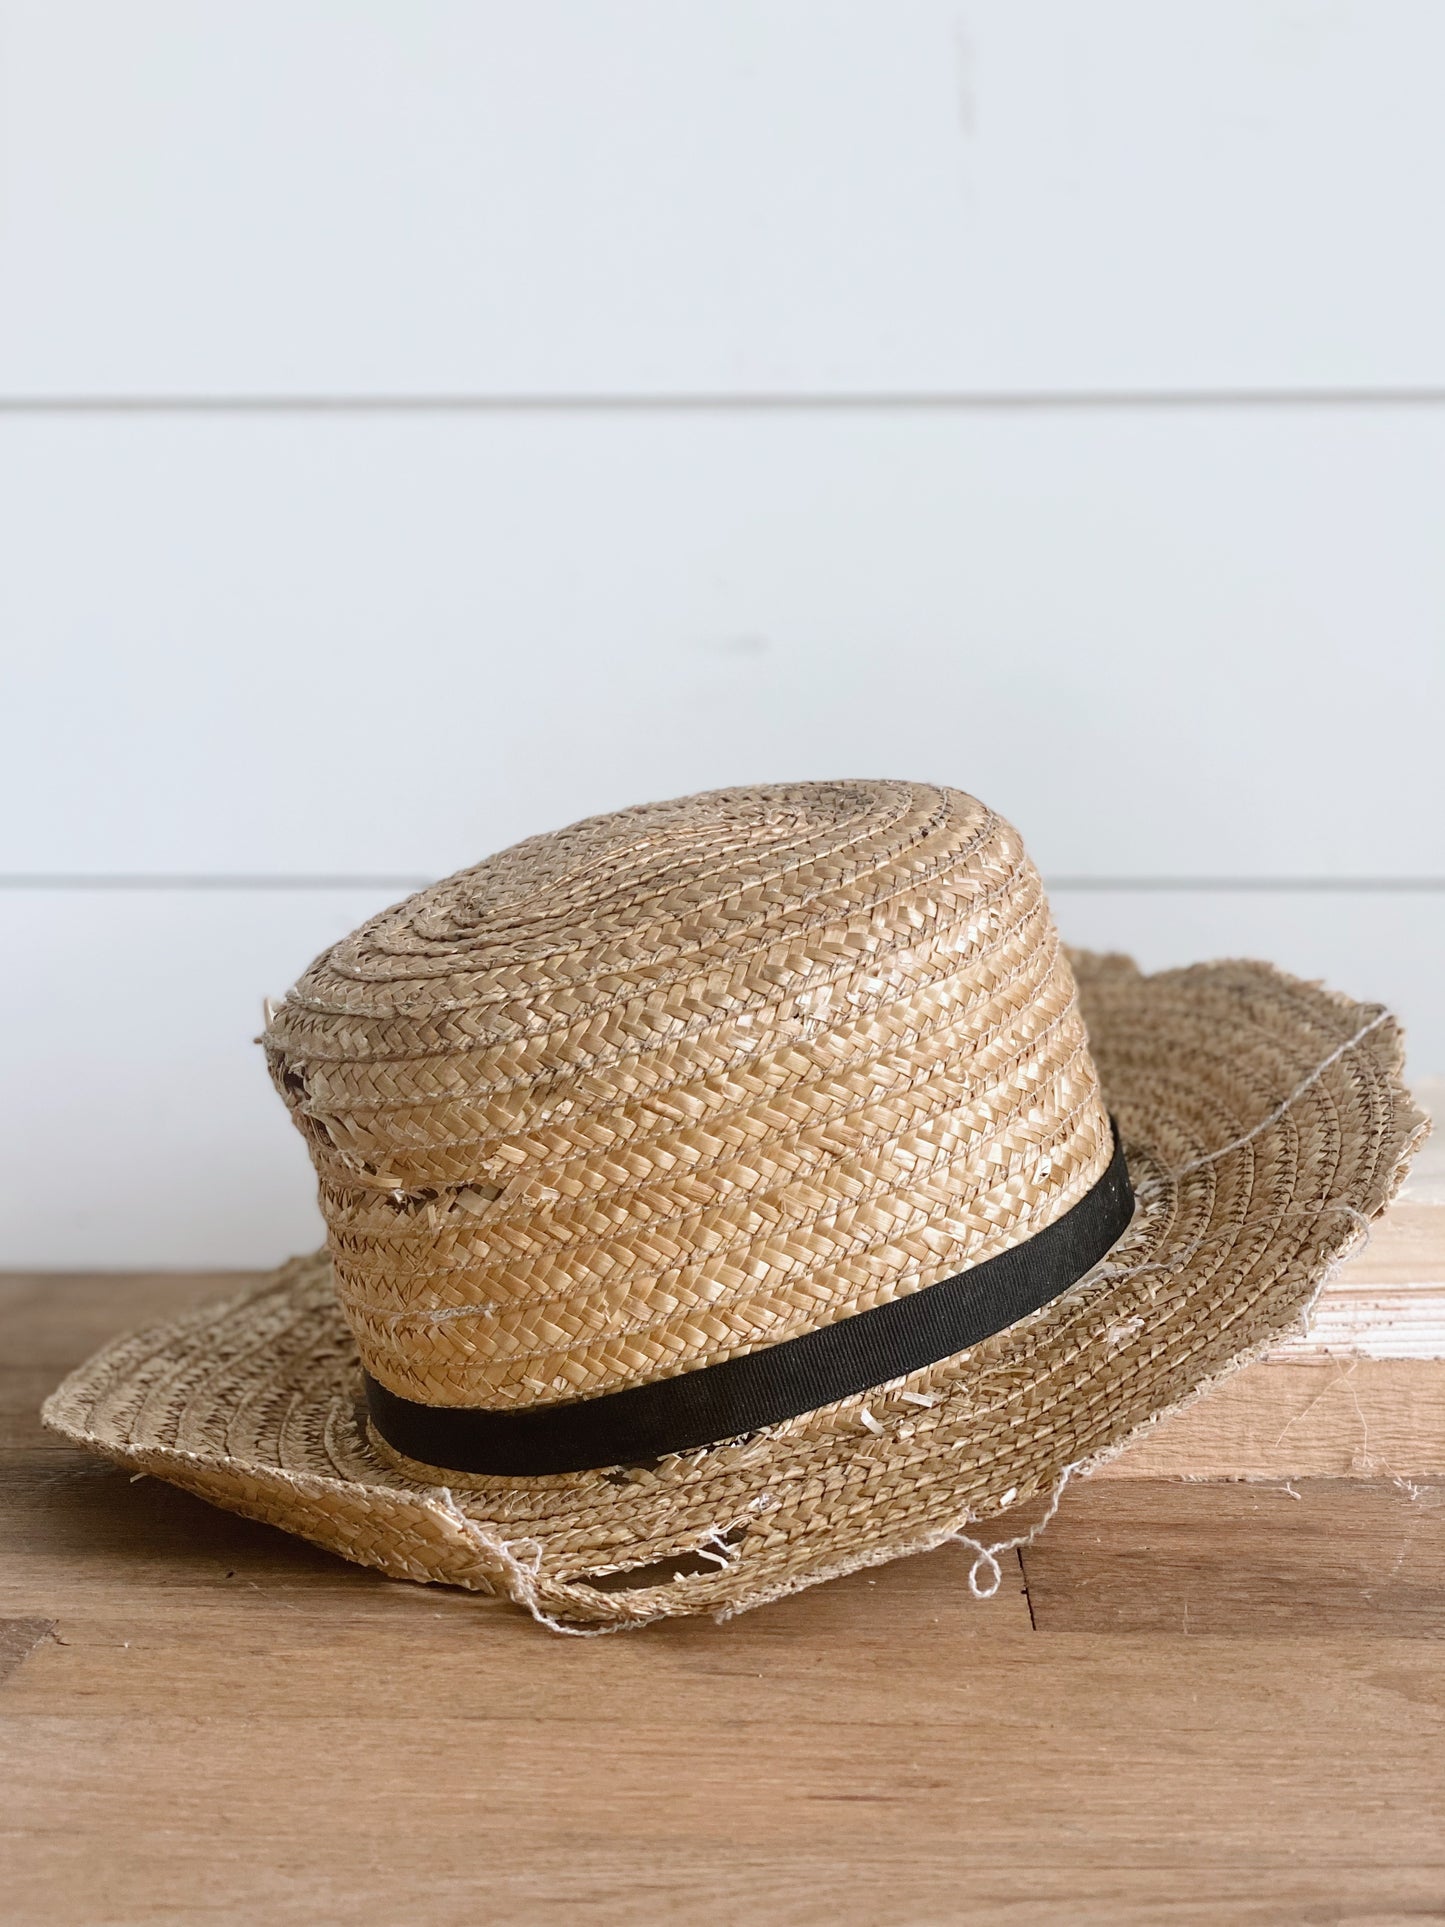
x,y
684,1081
1263,1119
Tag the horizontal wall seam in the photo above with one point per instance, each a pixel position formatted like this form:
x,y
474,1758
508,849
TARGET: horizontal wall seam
x,y
177,881
881,401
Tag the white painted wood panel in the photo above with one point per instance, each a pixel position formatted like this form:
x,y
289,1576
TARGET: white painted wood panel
x,y
1173,642
139,1125
663,196
1381,946
140,1128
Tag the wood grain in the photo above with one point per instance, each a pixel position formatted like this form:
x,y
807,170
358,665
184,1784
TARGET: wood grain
x,y
217,1721
1303,1558
18,1639
764,1771
1406,1248
1299,1417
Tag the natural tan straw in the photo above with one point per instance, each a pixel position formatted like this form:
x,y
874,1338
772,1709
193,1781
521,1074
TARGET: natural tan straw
x,y
663,1125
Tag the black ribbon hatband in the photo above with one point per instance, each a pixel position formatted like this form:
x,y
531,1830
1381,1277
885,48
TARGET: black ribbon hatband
x,y
783,1381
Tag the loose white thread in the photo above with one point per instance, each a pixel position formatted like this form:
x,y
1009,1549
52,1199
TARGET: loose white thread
x,y
717,1546
987,1561
525,1574
1238,1144
1361,1223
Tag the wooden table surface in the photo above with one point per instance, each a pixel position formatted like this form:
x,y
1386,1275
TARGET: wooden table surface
x,y
1191,1702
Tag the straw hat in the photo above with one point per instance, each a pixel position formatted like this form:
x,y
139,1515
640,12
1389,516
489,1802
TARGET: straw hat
x,y
732,1192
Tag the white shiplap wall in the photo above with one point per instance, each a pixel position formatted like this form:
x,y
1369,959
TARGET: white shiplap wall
x,y
658,197
425,425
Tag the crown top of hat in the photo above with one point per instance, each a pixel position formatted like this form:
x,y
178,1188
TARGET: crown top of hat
x,y
683,1081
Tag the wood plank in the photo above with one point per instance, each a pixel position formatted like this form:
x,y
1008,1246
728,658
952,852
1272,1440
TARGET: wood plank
x,y
1406,1249
69,1519
1300,1559
277,200
1289,1417
18,1640
1076,1757
55,1318
1426,1182
551,615
22,1392
1363,1321
238,1879
1002,1706
303,1653
71,1523
222,1722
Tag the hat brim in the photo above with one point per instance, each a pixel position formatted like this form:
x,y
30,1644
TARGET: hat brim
x,y
256,1403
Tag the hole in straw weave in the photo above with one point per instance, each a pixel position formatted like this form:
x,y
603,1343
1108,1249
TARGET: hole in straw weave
x,y
408,1203
709,1557
473,1197
629,1474
469,1198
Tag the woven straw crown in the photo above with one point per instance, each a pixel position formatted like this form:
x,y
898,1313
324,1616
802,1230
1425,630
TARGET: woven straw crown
x,y
685,1081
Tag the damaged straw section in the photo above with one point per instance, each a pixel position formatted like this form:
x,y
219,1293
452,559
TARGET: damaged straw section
x,y
680,1086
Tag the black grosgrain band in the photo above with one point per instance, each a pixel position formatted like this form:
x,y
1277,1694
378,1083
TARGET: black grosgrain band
x,y
782,1381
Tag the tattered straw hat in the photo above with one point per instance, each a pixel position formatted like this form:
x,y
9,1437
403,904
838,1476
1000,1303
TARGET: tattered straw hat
x,y
732,1192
